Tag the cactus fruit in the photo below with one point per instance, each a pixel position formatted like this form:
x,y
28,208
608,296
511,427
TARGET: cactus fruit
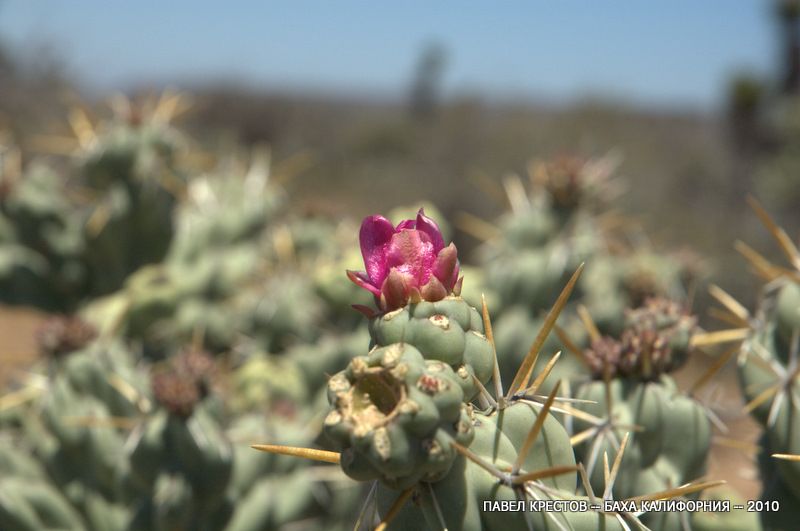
x,y
448,330
395,415
400,417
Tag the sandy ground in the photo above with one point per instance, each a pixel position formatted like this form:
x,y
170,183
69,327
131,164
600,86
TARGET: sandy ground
x,y
17,340
733,456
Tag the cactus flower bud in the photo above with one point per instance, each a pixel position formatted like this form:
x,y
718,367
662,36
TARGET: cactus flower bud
x,y
407,263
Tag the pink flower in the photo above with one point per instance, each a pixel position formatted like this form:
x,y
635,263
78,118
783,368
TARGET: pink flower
x,y
407,263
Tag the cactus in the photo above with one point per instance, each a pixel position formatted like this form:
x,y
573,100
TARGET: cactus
x,y
82,232
632,390
449,331
400,416
554,225
767,366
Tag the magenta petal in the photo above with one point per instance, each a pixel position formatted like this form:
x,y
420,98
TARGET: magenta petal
x,y
445,268
429,227
376,233
406,224
412,255
361,280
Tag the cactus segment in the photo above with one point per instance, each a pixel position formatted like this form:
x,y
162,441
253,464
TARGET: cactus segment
x,y
394,415
450,331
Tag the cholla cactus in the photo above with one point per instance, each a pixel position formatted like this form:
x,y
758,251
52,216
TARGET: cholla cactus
x,y
84,230
768,366
632,391
562,219
423,307
403,416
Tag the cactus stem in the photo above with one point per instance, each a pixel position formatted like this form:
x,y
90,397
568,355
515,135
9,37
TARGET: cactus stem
x,y
485,393
479,461
783,239
476,227
535,429
730,303
395,508
542,376
612,477
787,457
487,326
689,488
713,369
588,323
542,474
295,451
524,372
720,336
571,346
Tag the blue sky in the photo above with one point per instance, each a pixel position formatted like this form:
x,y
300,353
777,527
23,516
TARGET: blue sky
x,y
666,53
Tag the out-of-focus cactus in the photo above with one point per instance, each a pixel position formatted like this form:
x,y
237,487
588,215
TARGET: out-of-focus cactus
x,y
74,426
632,392
414,278
80,233
402,417
560,221
41,245
395,415
181,460
768,365
131,170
